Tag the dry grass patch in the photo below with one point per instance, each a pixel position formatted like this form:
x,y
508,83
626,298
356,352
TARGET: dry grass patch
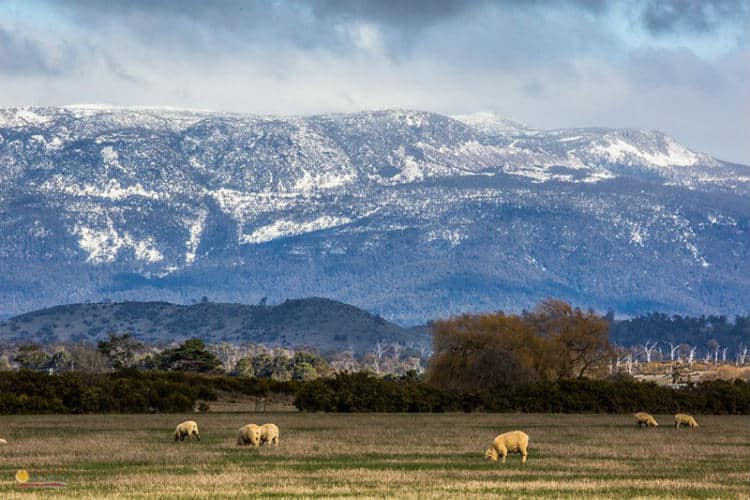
x,y
405,456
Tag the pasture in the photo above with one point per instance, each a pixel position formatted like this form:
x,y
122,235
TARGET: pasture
x,y
376,455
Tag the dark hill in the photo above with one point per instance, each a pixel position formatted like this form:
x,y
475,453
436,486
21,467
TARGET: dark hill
x,y
317,322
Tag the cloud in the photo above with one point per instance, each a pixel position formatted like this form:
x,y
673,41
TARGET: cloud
x,y
23,56
698,16
547,63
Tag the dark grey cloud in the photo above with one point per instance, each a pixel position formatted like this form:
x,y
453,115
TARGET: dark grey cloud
x,y
699,16
651,68
412,14
22,56
314,24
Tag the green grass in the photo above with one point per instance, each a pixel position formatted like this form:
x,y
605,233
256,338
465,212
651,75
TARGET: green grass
x,y
404,456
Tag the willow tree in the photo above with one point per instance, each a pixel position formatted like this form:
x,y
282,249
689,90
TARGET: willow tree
x,y
473,352
577,341
555,341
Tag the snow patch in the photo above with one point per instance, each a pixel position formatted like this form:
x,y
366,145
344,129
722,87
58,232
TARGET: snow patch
x,y
284,228
21,117
111,158
452,236
491,123
619,151
103,245
111,191
196,229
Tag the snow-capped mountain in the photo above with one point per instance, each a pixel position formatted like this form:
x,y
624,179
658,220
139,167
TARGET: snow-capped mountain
x,y
408,214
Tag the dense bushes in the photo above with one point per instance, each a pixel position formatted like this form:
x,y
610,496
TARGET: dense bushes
x,y
127,391
363,393
131,391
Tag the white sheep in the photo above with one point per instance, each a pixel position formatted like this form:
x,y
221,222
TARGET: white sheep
x,y
248,434
682,419
508,442
269,433
186,429
643,418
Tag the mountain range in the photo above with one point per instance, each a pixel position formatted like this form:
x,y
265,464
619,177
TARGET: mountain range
x,y
408,214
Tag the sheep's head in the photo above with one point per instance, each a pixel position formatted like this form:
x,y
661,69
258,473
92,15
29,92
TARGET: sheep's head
x,y
491,454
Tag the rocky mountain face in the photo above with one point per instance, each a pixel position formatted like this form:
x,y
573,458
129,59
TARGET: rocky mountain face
x,y
410,215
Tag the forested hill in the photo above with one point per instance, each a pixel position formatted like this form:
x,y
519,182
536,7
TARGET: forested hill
x,y
695,331
316,322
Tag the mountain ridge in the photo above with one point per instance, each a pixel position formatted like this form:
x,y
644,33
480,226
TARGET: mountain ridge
x,y
411,214
316,322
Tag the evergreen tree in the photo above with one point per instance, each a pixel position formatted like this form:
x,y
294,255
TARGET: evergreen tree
x,y
191,356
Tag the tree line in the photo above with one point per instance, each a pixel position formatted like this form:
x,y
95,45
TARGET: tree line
x,y
712,338
123,351
554,358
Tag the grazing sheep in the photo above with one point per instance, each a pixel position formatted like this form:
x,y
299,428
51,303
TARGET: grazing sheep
x,y
682,419
508,442
248,434
269,433
3,441
645,419
186,429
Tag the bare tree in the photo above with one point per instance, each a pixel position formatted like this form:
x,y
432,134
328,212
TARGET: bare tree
x,y
425,350
379,351
724,355
227,353
691,355
648,349
741,354
396,350
627,360
88,360
674,349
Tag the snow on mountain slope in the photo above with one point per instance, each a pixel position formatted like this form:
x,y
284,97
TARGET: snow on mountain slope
x,y
489,123
407,213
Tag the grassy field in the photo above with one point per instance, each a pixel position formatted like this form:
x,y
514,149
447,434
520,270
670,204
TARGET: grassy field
x,y
401,456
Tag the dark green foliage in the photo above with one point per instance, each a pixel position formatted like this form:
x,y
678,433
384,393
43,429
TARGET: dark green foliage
x,y
31,357
132,391
120,350
361,392
125,391
191,356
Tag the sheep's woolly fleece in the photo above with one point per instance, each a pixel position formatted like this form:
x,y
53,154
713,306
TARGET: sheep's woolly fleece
x,y
682,419
645,419
248,434
269,433
508,442
186,429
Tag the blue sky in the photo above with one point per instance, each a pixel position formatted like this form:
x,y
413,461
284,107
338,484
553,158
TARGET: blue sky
x,y
678,66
